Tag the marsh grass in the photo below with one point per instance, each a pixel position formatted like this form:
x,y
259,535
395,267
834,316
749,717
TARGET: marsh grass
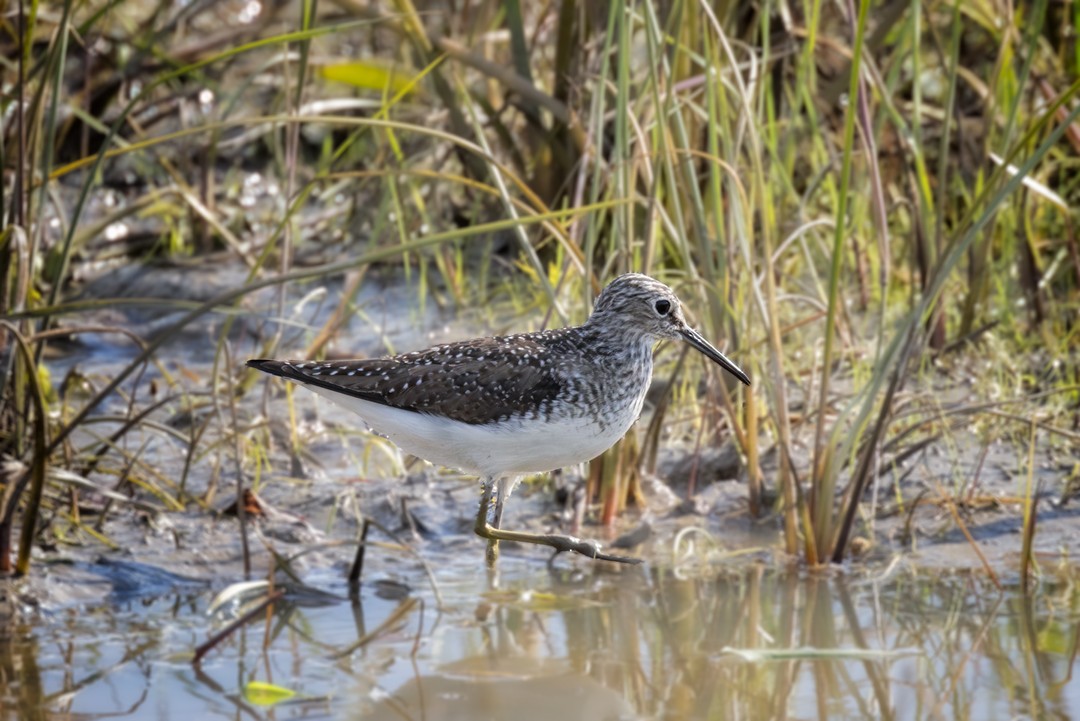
x,y
845,195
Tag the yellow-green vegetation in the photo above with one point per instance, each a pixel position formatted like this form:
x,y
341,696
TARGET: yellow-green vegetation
x,y
864,203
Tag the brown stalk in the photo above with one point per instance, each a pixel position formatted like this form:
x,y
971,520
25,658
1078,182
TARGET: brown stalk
x,y
357,568
861,477
241,507
340,316
518,84
948,502
1030,517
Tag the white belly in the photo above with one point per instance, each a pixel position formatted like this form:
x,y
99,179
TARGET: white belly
x,y
504,449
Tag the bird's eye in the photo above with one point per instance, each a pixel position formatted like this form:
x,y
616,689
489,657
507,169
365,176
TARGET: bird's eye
x,y
663,307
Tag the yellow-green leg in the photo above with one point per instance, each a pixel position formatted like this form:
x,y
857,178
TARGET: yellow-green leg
x,y
494,534
482,525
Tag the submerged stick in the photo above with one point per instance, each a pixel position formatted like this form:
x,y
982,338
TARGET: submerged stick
x,y
358,563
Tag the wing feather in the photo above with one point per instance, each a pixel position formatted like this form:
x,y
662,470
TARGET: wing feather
x,y
478,381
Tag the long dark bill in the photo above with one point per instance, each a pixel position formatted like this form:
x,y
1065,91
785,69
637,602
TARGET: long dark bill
x,y
694,338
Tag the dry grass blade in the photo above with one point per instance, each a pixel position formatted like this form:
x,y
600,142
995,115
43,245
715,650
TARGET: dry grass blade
x,y
392,621
1030,515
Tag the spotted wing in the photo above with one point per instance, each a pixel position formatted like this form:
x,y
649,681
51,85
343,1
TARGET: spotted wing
x,y
477,382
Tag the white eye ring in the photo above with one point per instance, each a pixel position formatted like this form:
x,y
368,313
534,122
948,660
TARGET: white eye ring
x,y
662,306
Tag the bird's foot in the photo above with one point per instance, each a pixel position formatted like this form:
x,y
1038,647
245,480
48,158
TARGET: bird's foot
x,y
561,544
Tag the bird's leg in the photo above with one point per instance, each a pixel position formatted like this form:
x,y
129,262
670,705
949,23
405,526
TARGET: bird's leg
x,y
500,503
494,534
488,485
501,493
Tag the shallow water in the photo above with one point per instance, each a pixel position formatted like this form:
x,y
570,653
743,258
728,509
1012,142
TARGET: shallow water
x,y
734,633
579,641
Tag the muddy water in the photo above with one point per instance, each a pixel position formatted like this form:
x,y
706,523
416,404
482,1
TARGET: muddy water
x,y
576,642
731,631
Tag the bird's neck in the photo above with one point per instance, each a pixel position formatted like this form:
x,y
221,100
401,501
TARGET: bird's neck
x,y
612,343
622,363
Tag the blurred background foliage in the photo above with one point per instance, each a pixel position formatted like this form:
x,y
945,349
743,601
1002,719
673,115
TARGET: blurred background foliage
x,y
869,206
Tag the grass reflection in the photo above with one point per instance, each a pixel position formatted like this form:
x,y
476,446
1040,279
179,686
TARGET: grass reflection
x,y
755,643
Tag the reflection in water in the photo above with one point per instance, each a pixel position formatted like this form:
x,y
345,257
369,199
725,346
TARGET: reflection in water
x,y
531,699
604,646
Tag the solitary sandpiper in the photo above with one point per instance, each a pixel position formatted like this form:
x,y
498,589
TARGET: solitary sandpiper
x,y
511,405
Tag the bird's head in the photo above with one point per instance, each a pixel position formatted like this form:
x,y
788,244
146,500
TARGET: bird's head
x,y
645,307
